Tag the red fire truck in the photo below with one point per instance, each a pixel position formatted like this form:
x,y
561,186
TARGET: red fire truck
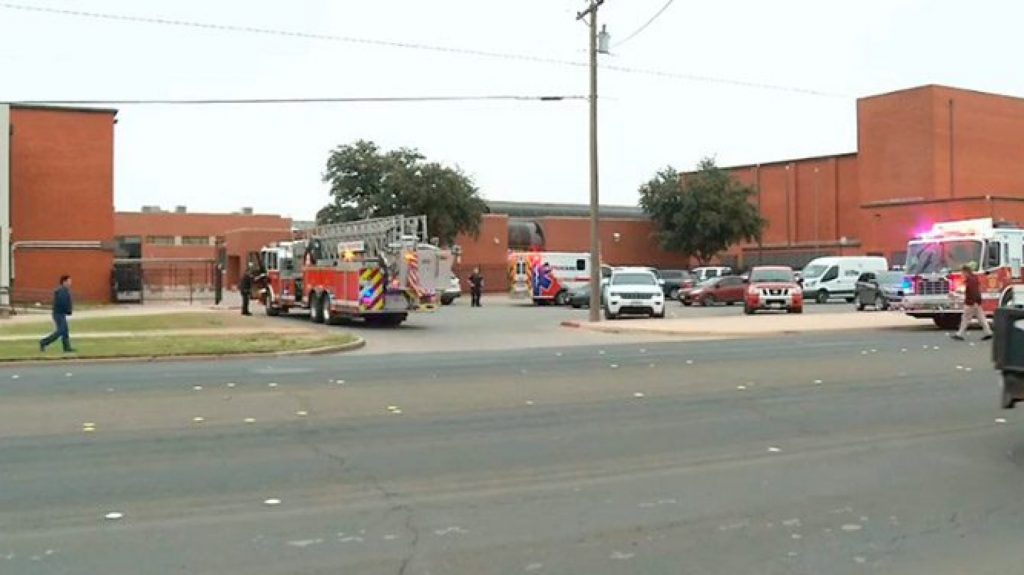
x,y
377,270
933,287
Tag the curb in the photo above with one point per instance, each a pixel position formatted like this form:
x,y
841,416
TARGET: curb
x,y
324,350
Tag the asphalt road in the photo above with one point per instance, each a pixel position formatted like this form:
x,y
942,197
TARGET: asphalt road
x,y
859,453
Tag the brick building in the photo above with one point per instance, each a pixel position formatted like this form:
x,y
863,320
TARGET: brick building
x,y
626,237
56,200
178,246
925,154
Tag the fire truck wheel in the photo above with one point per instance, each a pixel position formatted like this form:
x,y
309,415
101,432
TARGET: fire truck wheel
x,y
318,310
271,310
947,321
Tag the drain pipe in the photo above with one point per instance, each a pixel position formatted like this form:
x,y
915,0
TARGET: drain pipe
x,y
6,256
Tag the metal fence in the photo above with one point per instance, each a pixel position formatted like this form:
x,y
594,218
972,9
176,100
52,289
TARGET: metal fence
x,y
142,280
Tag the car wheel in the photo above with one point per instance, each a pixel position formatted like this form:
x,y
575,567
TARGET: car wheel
x,y
446,300
576,305
946,321
821,296
748,310
1007,399
609,315
673,293
687,303
659,315
880,303
562,298
729,302
796,310
858,303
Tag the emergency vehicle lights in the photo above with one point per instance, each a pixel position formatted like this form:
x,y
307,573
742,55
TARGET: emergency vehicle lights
x,y
959,228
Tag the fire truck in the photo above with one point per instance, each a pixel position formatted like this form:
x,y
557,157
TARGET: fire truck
x,y
933,286
377,270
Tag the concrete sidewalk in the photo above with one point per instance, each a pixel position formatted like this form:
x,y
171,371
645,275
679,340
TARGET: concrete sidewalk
x,y
256,330
762,324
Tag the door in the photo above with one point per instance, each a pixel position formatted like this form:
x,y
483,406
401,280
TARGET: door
x,y
829,281
732,289
866,287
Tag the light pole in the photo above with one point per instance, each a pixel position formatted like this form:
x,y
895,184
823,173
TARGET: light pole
x,y
596,46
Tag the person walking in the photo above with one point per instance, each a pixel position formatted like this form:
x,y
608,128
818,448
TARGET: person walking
x,y
972,305
61,311
476,287
244,288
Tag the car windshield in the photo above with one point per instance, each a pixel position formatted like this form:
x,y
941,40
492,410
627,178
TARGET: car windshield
x,y
708,283
813,271
761,276
940,257
645,279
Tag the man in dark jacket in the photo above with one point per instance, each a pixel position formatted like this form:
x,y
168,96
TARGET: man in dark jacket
x,y
972,305
61,311
245,287
476,287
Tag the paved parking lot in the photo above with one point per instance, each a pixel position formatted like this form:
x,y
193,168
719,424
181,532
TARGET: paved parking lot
x,y
506,324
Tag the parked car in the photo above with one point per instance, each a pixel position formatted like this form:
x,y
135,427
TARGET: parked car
x,y
725,289
579,296
676,280
829,277
708,272
633,291
773,287
878,290
452,291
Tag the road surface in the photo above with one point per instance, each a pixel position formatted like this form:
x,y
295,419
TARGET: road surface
x,y
854,453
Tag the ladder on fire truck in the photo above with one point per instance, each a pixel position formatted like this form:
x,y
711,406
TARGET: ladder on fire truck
x,y
375,236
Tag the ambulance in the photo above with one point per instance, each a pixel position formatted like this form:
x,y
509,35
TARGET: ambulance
x,y
933,286
547,277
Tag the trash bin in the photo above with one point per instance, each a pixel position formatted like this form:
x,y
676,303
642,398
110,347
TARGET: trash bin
x,y
1008,353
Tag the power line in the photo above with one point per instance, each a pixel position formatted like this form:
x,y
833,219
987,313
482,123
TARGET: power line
x,y
324,100
637,32
412,46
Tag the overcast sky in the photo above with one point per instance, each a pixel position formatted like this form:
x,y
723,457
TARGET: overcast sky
x,y
271,157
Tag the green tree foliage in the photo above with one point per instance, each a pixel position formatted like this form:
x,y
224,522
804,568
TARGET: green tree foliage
x,y
701,214
367,182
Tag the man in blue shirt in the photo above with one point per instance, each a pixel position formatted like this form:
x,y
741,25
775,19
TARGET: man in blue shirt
x,y
61,311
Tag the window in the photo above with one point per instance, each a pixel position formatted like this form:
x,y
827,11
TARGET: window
x,y
195,240
160,240
851,273
831,274
712,273
992,257
866,277
581,265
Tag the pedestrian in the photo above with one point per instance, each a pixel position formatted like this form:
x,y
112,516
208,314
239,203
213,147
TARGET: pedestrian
x,y
476,287
245,287
61,311
972,305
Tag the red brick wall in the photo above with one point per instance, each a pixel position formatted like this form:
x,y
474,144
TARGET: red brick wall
x,y
62,189
198,224
488,251
635,246
895,139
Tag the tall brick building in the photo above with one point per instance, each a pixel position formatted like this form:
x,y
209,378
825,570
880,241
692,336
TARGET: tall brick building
x,y
57,181
925,154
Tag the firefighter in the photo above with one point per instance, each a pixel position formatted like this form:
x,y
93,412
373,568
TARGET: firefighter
x,y
245,288
476,287
972,305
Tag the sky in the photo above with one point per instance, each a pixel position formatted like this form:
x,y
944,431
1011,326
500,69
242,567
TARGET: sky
x,y
817,57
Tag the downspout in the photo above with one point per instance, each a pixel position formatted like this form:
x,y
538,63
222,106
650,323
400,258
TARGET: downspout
x,y
6,258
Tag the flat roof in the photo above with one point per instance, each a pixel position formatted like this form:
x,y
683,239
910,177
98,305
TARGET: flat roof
x,y
55,108
941,87
549,209
790,161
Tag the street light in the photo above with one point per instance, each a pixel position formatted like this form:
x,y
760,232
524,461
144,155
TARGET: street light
x,y
599,43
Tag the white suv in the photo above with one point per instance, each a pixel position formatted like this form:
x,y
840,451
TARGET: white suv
x,y
633,291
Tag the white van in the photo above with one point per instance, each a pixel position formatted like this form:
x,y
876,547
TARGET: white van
x,y
827,278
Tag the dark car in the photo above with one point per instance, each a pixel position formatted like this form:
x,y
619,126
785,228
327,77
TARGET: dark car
x,y
579,296
878,290
725,289
676,280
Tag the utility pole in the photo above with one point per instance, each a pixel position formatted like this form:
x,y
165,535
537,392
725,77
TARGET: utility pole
x,y
595,241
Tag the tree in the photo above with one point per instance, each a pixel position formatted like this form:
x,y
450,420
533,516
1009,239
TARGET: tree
x,y
367,182
702,213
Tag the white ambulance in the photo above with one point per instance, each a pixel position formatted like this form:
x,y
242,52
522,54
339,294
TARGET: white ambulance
x,y
547,277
